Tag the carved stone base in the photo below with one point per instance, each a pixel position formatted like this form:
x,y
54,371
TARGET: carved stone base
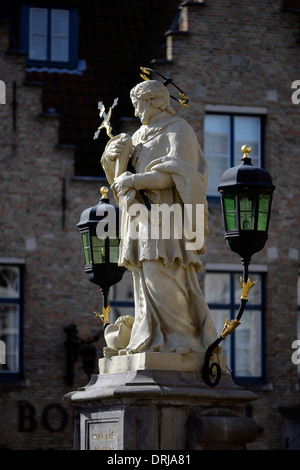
x,y
158,361
160,409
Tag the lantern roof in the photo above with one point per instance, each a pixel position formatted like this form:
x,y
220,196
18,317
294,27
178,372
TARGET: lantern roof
x,y
90,216
246,174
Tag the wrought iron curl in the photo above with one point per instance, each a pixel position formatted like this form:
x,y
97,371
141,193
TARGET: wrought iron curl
x,y
229,327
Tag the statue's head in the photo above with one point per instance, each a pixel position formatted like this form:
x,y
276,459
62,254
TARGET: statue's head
x,y
154,92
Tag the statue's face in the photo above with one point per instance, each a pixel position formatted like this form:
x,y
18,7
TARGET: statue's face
x,y
144,110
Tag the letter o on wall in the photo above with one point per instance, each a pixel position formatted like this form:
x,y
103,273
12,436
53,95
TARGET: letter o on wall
x,y
60,417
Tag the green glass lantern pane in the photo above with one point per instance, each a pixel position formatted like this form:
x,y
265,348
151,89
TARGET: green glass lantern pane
x,y
263,208
247,202
86,248
98,247
99,255
264,203
231,221
247,220
230,212
85,240
87,257
113,250
113,254
262,221
229,202
247,211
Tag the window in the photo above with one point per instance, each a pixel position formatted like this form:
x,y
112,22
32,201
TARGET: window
x,y
224,135
298,318
244,347
11,321
49,35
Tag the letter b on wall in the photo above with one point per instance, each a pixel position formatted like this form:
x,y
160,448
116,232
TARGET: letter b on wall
x,y
54,417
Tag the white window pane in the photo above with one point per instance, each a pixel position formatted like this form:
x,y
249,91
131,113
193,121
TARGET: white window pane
x,y
298,317
59,49
247,131
38,21
216,135
217,288
248,345
60,23
9,333
298,336
217,166
9,282
38,34
60,35
38,48
216,149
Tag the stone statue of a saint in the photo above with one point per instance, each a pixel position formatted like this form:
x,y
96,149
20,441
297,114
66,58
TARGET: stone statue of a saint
x,y
171,314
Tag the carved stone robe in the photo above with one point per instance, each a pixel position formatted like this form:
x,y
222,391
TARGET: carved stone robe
x,y
171,314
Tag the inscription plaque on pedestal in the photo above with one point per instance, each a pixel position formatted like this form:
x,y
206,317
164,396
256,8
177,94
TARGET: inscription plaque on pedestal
x,y
103,432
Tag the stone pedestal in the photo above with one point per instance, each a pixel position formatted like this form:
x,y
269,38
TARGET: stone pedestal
x,y
157,401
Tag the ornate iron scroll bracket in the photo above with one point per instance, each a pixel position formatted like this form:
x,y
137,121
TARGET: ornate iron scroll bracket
x,y
211,372
104,316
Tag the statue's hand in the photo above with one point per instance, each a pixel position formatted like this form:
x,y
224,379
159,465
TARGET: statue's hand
x,y
118,146
123,183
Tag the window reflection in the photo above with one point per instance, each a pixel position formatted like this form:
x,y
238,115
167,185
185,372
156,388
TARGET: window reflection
x,y
244,347
217,288
216,148
246,131
9,333
9,282
10,299
224,135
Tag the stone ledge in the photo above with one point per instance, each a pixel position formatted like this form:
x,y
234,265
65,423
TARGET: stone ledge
x,y
157,361
163,376
163,385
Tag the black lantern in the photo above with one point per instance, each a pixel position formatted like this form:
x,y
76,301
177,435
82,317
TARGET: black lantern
x,y
246,197
99,230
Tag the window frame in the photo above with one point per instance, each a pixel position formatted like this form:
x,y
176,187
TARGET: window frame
x,y
72,61
230,311
213,197
16,376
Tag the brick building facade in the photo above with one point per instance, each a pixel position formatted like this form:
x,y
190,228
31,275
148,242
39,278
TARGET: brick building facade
x,y
237,62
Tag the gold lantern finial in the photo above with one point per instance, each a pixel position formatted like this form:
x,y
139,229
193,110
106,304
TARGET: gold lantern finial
x,y
104,191
246,149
